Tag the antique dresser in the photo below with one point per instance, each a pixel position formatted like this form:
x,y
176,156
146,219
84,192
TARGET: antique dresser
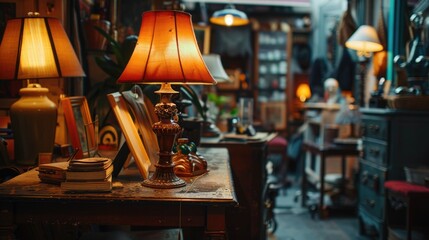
x,y
392,140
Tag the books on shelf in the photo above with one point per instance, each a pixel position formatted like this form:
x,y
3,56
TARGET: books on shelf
x,y
89,175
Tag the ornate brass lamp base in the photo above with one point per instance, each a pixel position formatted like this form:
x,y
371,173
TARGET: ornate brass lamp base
x,y
164,177
166,131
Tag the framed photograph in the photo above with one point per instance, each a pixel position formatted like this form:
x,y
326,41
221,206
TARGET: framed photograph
x,y
132,137
81,129
273,114
202,34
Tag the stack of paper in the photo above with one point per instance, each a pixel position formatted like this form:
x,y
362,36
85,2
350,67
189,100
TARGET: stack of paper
x,y
89,174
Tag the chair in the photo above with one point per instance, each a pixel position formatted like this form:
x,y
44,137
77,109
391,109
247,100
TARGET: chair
x,y
278,146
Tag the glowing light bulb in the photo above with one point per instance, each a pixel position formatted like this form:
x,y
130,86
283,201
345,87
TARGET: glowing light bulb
x,y
229,19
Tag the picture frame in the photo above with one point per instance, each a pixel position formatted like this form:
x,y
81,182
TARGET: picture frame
x,y
202,35
273,114
132,137
80,127
142,111
234,83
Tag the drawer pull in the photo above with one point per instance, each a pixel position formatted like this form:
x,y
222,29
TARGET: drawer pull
x,y
370,203
375,182
374,151
364,177
374,128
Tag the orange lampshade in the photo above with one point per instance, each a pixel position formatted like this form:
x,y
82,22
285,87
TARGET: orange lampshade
x,y
36,47
166,52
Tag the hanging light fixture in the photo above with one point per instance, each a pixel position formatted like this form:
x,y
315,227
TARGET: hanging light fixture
x,y
230,17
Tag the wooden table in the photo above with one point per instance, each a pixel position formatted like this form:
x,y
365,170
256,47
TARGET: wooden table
x,y
202,203
248,165
324,151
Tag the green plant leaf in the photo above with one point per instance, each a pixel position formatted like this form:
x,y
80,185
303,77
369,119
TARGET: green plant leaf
x,y
193,96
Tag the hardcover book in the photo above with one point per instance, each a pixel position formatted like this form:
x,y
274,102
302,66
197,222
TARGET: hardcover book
x,y
87,186
89,164
89,175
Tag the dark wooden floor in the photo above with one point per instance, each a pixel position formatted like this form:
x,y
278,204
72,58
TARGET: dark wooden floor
x,y
296,223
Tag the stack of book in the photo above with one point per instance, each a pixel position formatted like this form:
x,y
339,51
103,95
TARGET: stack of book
x,y
54,173
88,175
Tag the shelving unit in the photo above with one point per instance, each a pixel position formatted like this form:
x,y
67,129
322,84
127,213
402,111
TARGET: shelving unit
x,y
272,77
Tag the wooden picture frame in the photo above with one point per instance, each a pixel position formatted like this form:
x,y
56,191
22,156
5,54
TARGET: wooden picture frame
x,y
202,34
234,83
273,114
81,129
142,114
132,137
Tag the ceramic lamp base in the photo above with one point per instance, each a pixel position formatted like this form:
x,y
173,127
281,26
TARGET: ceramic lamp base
x,y
34,121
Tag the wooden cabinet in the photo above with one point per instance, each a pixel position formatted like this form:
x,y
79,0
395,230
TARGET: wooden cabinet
x,y
392,140
272,77
248,160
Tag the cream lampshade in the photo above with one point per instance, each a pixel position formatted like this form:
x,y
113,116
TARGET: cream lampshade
x,y
215,67
35,48
166,53
364,41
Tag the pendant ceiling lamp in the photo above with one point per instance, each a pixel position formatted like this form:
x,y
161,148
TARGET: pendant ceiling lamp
x,y
229,17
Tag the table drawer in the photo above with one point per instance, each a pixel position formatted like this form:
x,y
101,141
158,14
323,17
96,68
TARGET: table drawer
x,y
371,201
370,225
375,128
375,152
372,177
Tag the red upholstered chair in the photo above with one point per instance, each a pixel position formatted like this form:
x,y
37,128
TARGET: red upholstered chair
x,y
412,197
278,146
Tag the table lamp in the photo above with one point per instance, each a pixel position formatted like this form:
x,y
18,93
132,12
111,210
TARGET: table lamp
x,y
214,64
166,53
35,48
364,41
